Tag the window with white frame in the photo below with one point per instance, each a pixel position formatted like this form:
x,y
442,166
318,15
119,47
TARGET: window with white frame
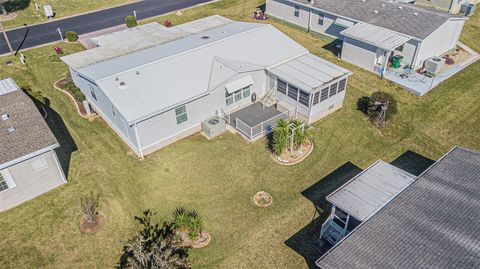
x,y
38,164
320,19
282,86
293,92
324,94
237,96
297,11
304,98
6,181
181,114
342,85
333,89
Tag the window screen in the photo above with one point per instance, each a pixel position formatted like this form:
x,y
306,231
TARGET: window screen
x,y
333,89
3,183
297,11
181,113
6,181
281,86
316,98
342,84
324,95
293,92
304,98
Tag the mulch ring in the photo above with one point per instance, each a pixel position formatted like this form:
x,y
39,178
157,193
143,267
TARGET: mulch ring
x,y
262,199
90,227
61,85
298,155
201,242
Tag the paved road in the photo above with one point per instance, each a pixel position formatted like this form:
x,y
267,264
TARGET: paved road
x,y
47,32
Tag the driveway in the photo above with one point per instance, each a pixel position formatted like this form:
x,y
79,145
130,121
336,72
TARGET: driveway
x,y
47,32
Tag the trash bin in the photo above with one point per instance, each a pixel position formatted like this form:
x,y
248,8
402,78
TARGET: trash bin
x,y
396,61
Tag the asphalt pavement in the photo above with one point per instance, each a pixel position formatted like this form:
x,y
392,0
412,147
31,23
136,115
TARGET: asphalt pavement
x,y
47,32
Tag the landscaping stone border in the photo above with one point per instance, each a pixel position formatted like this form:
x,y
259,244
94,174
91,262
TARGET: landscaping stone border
x,y
90,118
202,242
276,158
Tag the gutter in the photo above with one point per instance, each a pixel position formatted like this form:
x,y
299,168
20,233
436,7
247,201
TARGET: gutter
x,y
28,156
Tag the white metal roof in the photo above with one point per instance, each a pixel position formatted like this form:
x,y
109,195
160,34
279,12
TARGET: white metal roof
x,y
7,85
343,23
309,72
238,84
376,36
126,41
162,77
369,191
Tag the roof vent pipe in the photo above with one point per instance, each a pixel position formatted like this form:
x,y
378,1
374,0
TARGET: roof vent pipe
x,y
122,86
375,11
400,7
5,116
11,129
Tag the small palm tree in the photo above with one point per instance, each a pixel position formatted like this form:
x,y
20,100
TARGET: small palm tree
x,y
280,136
301,135
188,221
181,218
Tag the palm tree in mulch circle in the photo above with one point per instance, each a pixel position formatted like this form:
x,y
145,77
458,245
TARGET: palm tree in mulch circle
x,y
280,137
188,222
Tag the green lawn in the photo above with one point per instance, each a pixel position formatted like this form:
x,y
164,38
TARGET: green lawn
x,y
27,13
218,177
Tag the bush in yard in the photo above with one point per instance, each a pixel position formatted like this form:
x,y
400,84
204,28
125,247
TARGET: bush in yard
x,y
71,36
363,103
130,21
167,23
188,221
76,92
280,137
374,110
89,206
154,246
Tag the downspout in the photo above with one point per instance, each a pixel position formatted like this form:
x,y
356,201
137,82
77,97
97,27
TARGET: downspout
x,y
310,16
138,142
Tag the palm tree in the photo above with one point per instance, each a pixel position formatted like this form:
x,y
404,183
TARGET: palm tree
x,y
155,246
280,137
188,221
301,135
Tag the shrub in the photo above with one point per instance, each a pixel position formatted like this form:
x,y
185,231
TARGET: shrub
x,y
155,246
280,137
71,36
188,221
76,92
167,23
54,58
89,206
363,103
374,110
130,21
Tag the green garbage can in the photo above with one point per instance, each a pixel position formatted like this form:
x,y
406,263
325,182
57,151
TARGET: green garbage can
x,y
396,61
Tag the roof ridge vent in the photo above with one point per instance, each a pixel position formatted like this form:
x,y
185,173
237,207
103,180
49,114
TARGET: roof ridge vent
x,y
5,116
11,129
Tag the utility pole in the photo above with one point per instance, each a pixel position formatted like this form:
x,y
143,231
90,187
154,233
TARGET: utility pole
x,y
6,38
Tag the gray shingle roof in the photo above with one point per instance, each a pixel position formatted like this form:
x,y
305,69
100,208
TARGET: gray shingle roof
x,y
434,223
389,15
31,131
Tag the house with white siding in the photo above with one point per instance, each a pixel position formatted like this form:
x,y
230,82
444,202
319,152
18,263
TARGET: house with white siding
x,y
206,71
29,165
373,32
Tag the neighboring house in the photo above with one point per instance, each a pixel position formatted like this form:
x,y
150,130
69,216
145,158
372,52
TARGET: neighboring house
x,y
154,95
28,164
431,221
451,6
373,31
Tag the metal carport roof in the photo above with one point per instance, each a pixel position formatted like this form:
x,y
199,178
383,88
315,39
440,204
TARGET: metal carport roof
x,y
369,191
377,36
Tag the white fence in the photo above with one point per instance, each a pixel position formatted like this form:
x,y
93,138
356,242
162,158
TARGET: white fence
x,y
265,127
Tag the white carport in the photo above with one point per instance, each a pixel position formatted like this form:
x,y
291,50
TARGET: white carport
x,y
381,42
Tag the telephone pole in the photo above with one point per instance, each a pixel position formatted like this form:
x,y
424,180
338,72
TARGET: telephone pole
x,y
6,38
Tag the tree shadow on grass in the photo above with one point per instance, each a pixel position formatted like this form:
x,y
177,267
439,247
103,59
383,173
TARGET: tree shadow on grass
x,y
58,128
302,242
12,6
412,162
